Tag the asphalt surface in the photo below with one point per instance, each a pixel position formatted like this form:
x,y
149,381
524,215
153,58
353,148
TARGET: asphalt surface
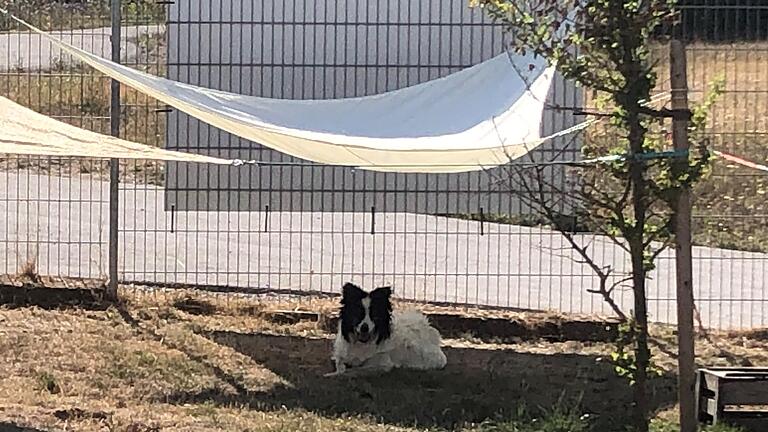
x,y
64,222
28,52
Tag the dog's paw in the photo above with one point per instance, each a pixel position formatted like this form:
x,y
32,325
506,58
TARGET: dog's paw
x,y
332,374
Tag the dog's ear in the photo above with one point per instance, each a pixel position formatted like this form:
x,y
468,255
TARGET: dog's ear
x,y
351,292
382,292
382,312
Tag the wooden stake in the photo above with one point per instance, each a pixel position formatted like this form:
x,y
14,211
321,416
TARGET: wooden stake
x,y
114,164
683,257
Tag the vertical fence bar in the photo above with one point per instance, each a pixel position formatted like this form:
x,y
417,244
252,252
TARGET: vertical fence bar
x,y
114,164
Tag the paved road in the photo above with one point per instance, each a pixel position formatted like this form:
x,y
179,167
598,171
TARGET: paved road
x,y
30,52
424,257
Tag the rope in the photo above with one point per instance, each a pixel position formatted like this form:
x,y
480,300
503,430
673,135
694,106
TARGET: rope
x,y
574,162
741,161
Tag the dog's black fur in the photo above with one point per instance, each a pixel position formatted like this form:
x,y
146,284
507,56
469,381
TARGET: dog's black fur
x,y
353,311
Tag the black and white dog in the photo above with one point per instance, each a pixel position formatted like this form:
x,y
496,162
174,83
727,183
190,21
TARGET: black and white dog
x,y
371,338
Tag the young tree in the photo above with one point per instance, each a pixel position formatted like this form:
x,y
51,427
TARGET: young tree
x,y
604,45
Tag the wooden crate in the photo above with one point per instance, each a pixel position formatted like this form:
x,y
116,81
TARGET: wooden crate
x,y
736,396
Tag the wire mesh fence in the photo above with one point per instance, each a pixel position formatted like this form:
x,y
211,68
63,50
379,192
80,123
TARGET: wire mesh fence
x,y
729,40
457,239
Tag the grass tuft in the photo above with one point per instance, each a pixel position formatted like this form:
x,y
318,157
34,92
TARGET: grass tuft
x,y
28,270
658,425
563,416
47,382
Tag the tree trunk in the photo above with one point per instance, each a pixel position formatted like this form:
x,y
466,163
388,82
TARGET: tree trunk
x,y
636,245
642,353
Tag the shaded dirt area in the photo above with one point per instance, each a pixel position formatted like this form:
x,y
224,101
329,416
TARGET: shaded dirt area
x,y
478,383
219,363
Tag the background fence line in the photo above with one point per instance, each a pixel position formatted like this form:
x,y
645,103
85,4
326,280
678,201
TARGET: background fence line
x,y
310,228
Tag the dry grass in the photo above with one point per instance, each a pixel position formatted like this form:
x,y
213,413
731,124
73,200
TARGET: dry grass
x,y
80,96
55,15
225,307
28,269
742,66
729,206
153,366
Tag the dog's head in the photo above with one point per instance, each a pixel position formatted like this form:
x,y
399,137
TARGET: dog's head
x,y
365,317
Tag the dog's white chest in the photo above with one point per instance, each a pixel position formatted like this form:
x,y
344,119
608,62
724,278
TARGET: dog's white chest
x,y
355,354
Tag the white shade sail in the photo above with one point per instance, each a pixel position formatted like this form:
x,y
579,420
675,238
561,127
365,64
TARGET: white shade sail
x,y
477,118
23,131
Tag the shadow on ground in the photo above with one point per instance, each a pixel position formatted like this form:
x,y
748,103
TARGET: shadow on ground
x,y
476,385
10,427
51,298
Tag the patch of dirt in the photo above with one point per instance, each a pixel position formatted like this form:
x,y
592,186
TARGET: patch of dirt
x,y
195,306
77,414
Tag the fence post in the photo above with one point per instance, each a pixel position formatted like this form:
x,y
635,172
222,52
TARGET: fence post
x,y
114,164
683,256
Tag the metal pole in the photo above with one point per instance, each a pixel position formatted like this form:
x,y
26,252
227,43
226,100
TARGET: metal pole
x,y
114,164
683,257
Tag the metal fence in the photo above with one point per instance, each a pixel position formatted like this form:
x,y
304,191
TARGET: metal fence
x,y
448,238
